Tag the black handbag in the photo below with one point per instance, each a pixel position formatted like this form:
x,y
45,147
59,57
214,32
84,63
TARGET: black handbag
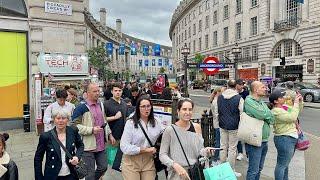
x,y
157,163
81,168
195,171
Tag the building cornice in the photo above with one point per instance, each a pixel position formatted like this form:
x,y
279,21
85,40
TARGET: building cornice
x,y
181,10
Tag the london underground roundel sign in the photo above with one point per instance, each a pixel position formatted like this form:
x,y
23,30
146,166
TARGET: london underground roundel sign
x,y
211,60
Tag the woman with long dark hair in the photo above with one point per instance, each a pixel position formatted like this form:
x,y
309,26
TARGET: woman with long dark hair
x,y
137,160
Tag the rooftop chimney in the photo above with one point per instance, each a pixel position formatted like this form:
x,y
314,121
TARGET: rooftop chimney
x,y
103,16
118,26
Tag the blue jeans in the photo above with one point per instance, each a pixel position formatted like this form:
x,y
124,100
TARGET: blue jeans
x,y
256,157
216,143
95,158
286,147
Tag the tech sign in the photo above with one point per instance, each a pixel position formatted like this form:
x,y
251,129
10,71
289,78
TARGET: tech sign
x,y
211,65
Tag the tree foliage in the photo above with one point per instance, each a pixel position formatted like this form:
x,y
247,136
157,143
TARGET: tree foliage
x,y
99,60
142,73
198,58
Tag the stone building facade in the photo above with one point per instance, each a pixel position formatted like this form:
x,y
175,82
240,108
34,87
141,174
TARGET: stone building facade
x,y
265,30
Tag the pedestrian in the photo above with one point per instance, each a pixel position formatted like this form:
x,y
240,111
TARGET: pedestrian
x,y
90,120
171,153
8,168
73,97
215,94
290,93
58,166
61,103
127,91
285,131
147,89
138,153
176,91
228,111
107,91
131,108
135,95
166,94
256,108
243,92
116,111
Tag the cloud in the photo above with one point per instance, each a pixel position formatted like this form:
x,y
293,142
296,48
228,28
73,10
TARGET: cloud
x,y
145,19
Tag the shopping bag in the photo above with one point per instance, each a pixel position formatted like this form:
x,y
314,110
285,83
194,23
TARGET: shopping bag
x,y
117,161
111,152
220,172
250,130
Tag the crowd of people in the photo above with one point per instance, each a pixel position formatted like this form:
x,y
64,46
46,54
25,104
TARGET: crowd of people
x,y
79,127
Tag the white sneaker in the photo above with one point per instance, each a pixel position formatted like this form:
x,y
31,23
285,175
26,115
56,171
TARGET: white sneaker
x,y
237,174
240,157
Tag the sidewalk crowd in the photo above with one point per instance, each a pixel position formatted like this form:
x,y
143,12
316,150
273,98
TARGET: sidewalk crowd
x,y
80,130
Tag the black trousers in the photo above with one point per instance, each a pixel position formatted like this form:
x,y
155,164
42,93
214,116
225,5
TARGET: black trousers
x,y
68,177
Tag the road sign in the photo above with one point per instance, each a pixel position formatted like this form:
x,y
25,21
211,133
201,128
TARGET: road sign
x,y
192,65
213,66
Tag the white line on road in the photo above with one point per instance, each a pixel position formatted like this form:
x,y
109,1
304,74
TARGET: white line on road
x,y
199,95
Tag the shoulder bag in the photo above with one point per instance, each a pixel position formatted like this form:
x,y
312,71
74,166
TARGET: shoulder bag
x,y
303,143
80,168
157,163
195,171
250,130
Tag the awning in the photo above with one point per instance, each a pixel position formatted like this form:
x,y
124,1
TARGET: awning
x,y
70,78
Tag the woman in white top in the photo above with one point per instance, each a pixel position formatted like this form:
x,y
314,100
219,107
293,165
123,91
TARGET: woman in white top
x,y
57,165
137,160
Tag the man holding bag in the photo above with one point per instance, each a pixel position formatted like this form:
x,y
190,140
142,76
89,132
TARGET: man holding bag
x,y
256,108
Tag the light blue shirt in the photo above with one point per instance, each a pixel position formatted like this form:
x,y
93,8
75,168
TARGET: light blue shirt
x,y
133,139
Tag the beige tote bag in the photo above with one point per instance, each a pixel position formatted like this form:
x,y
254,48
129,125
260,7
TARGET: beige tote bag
x,y
250,130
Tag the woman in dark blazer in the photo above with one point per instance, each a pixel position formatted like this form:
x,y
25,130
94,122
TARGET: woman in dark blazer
x,y
58,166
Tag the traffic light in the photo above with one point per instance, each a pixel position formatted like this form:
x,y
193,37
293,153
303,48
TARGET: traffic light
x,y
283,61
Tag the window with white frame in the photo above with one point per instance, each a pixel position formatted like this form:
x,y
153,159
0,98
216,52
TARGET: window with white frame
x,y
200,8
254,3
292,11
189,32
194,45
215,38
200,44
226,35
254,52
226,12
207,22
215,17
194,29
206,41
221,56
277,51
207,4
182,37
185,34
246,53
254,26
298,50
200,25
238,6
288,48
189,17
185,21
238,31
179,39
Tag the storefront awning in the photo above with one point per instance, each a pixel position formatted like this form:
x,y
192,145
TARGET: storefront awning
x,y
70,78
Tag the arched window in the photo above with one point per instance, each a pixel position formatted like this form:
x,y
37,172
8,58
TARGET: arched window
x,y
13,8
287,48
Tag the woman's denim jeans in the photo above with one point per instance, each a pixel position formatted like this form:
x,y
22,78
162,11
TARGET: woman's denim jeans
x,y
256,157
216,156
286,147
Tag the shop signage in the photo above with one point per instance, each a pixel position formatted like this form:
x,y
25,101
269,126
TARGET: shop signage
x,y
57,8
291,75
213,65
63,64
310,66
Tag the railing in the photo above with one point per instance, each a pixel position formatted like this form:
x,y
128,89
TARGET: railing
x,y
286,24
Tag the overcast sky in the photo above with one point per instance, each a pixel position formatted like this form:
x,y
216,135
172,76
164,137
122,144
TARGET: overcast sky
x,y
144,19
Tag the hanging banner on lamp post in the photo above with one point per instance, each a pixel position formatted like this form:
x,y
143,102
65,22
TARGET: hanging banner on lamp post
x,y
146,63
133,48
109,48
145,50
156,50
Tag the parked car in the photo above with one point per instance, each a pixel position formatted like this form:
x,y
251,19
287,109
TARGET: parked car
x,y
218,83
197,84
310,92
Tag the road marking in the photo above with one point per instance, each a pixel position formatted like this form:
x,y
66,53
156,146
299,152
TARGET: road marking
x,y
199,95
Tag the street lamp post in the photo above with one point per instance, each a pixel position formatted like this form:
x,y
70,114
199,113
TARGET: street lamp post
x,y
185,51
236,51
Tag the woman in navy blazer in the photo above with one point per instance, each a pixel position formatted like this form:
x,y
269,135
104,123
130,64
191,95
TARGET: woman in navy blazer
x,y
58,166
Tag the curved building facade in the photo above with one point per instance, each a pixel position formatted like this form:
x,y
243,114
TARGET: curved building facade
x,y
45,43
265,30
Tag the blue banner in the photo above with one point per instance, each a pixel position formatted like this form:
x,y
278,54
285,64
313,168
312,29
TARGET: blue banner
x,y
140,62
146,63
153,62
122,47
133,49
109,48
156,50
145,50
159,62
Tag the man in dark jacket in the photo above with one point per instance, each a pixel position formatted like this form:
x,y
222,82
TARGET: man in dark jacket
x,y
230,106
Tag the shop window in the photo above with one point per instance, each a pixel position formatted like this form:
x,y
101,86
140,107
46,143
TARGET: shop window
x,y
288,48
13,8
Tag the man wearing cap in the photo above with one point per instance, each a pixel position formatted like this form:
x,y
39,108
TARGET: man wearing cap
x,y
228,111
255,107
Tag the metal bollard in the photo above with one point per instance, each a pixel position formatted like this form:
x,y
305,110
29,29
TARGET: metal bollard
x,y
26,117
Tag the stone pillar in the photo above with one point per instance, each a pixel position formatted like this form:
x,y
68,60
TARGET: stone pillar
x,y
103,16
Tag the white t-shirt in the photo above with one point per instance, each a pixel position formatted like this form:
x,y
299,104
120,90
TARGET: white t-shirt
x,y
64,171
